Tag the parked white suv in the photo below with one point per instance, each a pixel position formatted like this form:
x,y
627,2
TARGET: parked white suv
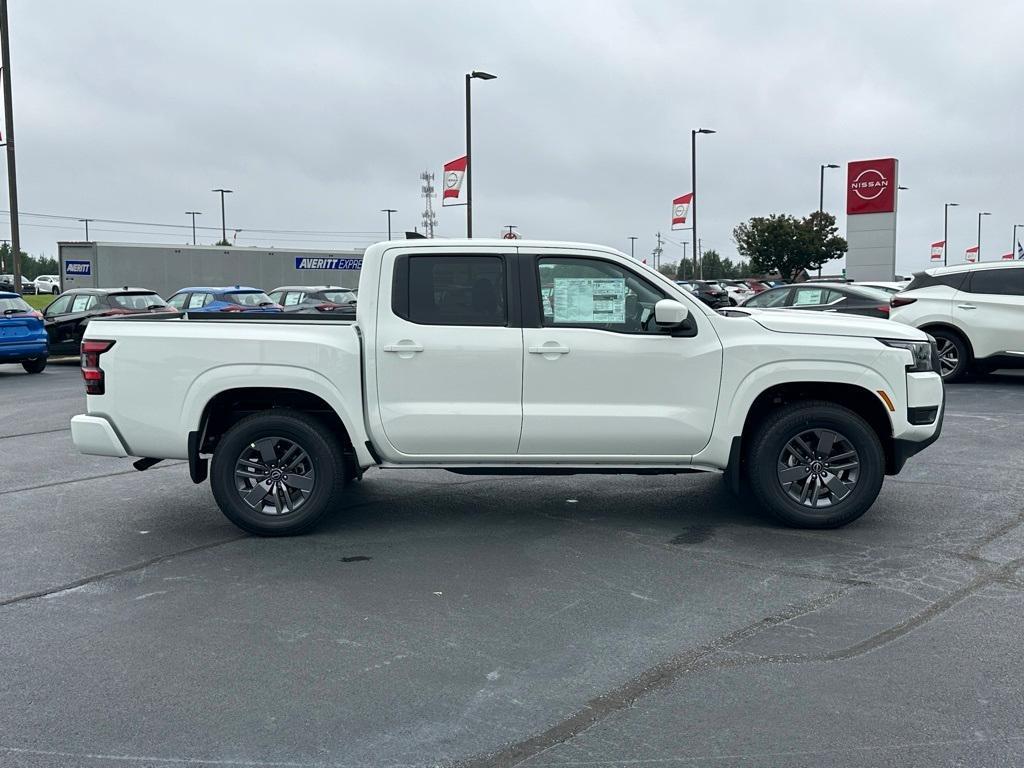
x,y
974,311
47,284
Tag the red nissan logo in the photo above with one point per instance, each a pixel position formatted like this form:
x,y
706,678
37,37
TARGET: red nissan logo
x,y
869,184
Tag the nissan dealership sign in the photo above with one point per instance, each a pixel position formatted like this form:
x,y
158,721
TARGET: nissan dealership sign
x,y
871,190
871,186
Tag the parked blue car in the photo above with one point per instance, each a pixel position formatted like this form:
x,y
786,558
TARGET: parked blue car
x,y
236,298
22,334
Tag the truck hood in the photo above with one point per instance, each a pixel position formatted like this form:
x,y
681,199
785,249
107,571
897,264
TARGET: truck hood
x,y
832,324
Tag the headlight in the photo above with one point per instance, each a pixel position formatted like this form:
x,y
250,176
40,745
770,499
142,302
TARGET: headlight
x,y
921,351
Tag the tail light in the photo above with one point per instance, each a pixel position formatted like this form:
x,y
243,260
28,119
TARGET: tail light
x,y
36,314
326,307
114,313
902,301
883,308
91,371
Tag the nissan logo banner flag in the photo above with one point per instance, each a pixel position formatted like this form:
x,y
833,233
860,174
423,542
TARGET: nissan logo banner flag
x,y
937,250
454,173
680,210
871,186
971,254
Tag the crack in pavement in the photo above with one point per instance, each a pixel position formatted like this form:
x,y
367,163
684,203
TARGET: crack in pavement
x,y
89,477
32,434
47,591
662,675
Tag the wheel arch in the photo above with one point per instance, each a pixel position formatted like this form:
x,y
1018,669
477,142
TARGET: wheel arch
x,y
958,332
858,399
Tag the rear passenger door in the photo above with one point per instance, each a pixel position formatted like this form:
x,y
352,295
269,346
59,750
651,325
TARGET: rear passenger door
x,y
990,306
449,353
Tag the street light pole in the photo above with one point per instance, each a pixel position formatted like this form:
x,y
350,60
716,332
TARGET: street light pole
x,y
12,176
1013,245
389,211
632,243
223,227
821,193
945,233
983,213
86,228
193,214
469,146
693,191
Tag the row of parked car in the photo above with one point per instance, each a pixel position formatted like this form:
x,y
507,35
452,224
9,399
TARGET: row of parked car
x,y
975,312
29,337
44,284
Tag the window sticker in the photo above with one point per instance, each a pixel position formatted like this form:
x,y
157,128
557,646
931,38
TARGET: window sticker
x,y
590,300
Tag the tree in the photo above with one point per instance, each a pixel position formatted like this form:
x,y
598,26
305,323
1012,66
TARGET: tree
x,y
788,245
31,266
669,271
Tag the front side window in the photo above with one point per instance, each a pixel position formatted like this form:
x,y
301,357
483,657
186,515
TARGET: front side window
x,y
59,307
769,298
178,300
592,293
1001,282
451,290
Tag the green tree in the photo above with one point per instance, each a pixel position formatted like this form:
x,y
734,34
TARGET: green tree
x,y
785,244
669,271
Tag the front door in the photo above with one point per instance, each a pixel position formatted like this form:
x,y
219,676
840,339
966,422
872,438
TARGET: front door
x,y
600,379
991,307
449,362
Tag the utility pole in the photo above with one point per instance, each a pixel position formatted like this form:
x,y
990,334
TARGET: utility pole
x,y
945,232
86,227
700,250
389,211
684,251
12,176
223,226
193,214
429,218
656,253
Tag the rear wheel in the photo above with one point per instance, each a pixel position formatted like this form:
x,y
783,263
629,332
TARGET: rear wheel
x,y
954,358
815,464
277,473
36,365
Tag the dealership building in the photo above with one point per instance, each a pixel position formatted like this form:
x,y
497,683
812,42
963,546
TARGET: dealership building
x,y
168,268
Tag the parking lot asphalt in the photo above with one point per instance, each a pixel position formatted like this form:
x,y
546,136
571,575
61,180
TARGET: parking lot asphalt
x,y
495,621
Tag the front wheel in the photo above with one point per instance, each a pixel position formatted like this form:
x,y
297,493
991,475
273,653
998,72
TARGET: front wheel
x,y
277,473
36,365
815,464
954,359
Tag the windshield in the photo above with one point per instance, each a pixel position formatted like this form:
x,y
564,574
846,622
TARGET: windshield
x,y
13,306
340,297
137,300
248,298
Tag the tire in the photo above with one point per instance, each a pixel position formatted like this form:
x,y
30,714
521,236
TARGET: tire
x,y
35,365
952,349
770,461
267,440
55,291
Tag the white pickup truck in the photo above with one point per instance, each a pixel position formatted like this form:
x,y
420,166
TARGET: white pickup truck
x,y
526,357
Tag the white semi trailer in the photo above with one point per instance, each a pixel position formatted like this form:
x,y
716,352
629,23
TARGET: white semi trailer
x,y
167,268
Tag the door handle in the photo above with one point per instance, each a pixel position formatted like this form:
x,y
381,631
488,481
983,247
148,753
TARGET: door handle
x,y
965,306
404,346
551,348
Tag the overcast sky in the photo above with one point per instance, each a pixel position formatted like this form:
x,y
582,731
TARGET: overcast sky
x,y
318,114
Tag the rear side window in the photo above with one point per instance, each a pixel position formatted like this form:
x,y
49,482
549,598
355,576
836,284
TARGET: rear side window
x,y
293,297
923,280
198,300
772,298
340,297
450,290
83,303
1001,282
809,297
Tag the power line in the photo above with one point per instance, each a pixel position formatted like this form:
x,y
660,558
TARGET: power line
x,y
189,227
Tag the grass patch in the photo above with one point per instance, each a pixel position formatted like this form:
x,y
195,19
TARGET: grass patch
x,y
39,302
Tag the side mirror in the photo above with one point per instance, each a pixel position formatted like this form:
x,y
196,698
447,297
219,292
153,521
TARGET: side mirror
x,y
669,313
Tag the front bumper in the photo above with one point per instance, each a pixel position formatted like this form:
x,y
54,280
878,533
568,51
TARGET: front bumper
x,y
903,448
96,436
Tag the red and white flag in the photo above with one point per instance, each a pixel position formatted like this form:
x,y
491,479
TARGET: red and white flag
x,y
937,249
1008,256
972,254
681,209
454,173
